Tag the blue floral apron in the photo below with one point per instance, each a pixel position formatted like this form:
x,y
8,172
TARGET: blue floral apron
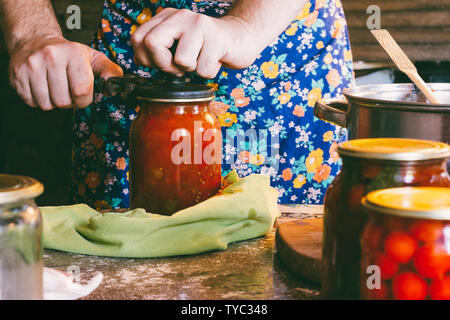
x,y
310,60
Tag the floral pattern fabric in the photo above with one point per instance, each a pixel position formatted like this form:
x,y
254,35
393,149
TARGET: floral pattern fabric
x,y
310,60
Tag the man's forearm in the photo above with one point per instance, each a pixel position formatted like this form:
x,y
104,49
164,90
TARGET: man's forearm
x,y
24,20
267,18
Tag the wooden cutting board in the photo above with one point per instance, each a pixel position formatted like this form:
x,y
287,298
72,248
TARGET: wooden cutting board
x,y
299,246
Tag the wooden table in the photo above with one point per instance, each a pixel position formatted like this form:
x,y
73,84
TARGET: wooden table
x,y
246,270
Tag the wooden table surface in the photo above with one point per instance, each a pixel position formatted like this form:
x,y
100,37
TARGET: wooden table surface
x,y
246,270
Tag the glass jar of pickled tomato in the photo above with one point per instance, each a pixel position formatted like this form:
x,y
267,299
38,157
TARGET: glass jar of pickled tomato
x,y
175,148
405,245
368,165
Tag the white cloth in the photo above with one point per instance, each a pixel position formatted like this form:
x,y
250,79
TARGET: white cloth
x,y
59,285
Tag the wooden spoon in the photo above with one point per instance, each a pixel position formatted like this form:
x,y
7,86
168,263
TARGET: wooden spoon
x,y
403,63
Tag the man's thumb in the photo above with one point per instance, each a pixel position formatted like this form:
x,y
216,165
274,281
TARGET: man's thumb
x,y
102,67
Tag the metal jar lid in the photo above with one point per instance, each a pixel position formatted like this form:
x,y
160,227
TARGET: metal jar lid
x,y
166,89
15,188
411,202
397,149
175,93
178,93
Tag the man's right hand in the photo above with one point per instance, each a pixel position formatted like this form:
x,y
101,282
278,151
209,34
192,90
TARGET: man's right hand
x,y
57,73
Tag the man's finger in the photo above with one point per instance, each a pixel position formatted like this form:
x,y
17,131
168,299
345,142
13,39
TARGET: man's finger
x,y
146,27
162,59
103,67
158,43
137,39
21,83
59,87
208,63
39,89
188,50
81,82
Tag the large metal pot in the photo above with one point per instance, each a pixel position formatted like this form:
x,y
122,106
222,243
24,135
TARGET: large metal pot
x,y
390,110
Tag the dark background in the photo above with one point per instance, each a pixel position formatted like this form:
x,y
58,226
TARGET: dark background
x,y
38,144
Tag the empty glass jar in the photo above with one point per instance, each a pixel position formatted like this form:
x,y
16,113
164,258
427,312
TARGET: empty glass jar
x,y
20,239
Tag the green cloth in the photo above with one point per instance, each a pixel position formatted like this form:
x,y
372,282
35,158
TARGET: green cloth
x,y
246,209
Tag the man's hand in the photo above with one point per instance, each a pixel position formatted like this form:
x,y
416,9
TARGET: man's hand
x,y
204,43
47,70
55,72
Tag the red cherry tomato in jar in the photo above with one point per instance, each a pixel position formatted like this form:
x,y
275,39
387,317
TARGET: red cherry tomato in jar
x,y
440,289
409,286
426,230
432,261
400,246
388,267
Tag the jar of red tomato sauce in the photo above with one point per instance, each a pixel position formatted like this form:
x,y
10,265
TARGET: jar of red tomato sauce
x,y
405,245
175,148
368,165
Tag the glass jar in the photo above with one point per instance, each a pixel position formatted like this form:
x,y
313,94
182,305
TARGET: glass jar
x,y
20,239
175,148
405,244
368,165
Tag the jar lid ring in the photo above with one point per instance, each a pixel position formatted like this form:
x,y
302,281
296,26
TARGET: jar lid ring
x,y
410,202
395,149
14,188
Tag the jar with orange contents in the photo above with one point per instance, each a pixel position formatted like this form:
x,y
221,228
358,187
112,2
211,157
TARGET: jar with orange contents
x,y
368,165
405,245
175,148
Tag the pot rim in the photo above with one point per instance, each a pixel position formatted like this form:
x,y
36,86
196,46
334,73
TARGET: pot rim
x,y
351,95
